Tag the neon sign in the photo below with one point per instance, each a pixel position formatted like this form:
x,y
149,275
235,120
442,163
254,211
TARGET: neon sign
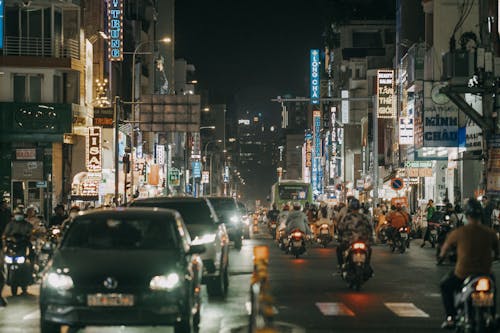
x,y
314,76
115,30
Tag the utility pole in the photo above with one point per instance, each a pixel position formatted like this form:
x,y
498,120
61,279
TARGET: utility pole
x,y
116,117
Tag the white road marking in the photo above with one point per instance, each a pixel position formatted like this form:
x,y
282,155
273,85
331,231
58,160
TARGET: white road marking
x,y
32,315
406,310
334,309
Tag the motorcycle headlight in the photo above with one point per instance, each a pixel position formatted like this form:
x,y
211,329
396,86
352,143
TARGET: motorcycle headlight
x,y
8,260
164,282
234,219
56,231
205,239
20,260
59,281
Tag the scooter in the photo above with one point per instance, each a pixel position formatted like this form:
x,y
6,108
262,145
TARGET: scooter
x,y
18,253
400,240
475,304
324,236
444,229
355,270
273,225
382,233
296,243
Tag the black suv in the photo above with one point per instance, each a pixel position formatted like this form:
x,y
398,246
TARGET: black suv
x,y
230,214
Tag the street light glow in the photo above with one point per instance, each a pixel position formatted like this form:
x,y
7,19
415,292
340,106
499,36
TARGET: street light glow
x,y
166,40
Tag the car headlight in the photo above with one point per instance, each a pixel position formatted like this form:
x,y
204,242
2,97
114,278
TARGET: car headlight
x,y
9,260
20,260
234,219
164,282
205,239
245,220
59,281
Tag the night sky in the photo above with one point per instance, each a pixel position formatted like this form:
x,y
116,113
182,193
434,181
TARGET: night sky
x,y
247,52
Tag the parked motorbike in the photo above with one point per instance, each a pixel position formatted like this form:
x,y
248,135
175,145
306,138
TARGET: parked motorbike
x,y
475,304
18,253
355,270
324,236
296,243
400,239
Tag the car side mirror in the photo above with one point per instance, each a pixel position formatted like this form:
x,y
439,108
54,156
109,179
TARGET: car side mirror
x,y
196,249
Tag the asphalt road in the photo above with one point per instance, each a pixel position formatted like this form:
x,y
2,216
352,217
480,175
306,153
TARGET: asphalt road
x,y
403,296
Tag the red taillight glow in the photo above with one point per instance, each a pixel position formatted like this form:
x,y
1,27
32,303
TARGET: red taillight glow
x,y
324,226
359,246
483,284
297,234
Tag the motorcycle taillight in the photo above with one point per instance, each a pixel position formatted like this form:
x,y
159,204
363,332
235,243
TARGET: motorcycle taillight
x,y
483,284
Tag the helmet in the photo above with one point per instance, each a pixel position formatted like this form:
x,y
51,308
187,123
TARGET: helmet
x,y
286,207
322,204
297,205
354,204
474,209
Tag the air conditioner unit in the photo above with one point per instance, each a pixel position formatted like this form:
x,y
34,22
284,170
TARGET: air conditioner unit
x,y
458,66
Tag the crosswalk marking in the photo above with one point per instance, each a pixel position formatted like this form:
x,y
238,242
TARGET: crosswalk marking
x,y
32,315
334,309
406,310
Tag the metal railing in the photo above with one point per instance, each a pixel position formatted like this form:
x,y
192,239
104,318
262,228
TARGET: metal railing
x,y
41,47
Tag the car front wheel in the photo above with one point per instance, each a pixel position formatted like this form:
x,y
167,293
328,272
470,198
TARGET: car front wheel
x,y
185,325
48,327
218,285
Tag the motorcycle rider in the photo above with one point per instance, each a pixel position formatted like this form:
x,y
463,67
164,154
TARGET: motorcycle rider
x,y
324,217
297,220
282,219
18,225
354,227
397,219
273,214
59,216
474,243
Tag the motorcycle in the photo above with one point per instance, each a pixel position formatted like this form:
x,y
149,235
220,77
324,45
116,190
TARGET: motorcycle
x,y
355,270
433,235
475,304
400,240
296,243
382,236
324,236
273,225
18,253
444,229
282,240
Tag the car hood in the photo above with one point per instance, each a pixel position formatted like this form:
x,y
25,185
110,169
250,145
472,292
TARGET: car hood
x,y
200,229
129,268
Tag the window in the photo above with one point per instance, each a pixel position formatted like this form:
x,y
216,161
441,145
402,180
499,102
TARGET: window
x,y
27,88
367,39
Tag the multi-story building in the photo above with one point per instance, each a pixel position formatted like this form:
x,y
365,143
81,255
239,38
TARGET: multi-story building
x,y
45,75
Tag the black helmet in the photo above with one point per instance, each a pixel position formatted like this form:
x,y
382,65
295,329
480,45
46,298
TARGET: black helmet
x,y
474,209
354,204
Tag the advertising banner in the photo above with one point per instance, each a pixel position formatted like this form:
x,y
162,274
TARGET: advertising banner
x,y
196,167
494,165
314,77
93,154
345,106
316,161
385,94
160,154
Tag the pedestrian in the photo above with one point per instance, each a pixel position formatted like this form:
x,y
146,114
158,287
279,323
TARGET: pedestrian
x,y
488,211
59,216
495,216
5,216
429,212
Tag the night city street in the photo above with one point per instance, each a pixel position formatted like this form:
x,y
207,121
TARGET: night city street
x,y
309,295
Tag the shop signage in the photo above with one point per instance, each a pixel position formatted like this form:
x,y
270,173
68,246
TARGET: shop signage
x,y
115,30
205,177
316,165
174,177
160,154
196,150
42,184
345,106
93,150
1,22
28,154
441,126
309,150
418,164
493,185
103,117
407,126
196,167
225,176
385,94
315,80
419,172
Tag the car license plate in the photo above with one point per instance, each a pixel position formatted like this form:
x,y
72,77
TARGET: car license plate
x,y
297,243
110,300
404,235
482,299
358,257
324,231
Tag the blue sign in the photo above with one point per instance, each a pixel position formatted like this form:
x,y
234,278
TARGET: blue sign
x,y
397,184
315,76
441,126
1,22
317,173
196,166
115,30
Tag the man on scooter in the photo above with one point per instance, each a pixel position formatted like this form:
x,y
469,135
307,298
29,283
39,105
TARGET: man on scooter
x,y
353,227
474,243
297,220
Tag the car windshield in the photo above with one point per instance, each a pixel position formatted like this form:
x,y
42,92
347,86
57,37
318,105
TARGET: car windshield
x,y
108,233
192,212
224,208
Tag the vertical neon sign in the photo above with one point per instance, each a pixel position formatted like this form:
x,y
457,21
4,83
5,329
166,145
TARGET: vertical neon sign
x,y
1,23
314,76
115,30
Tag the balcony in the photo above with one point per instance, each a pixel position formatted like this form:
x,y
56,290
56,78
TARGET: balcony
x,y
41,47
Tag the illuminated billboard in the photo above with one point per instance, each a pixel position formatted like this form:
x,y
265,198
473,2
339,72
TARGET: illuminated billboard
x,y
315,76
385,94
115,30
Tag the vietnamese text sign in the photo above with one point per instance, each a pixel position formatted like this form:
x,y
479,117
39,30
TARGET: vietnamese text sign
x,y
93,150
26,154
441,126
196,167
205,177
315,76
1,22
385,94
160,154
103,117
316,158
309,149
115,30
406,131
